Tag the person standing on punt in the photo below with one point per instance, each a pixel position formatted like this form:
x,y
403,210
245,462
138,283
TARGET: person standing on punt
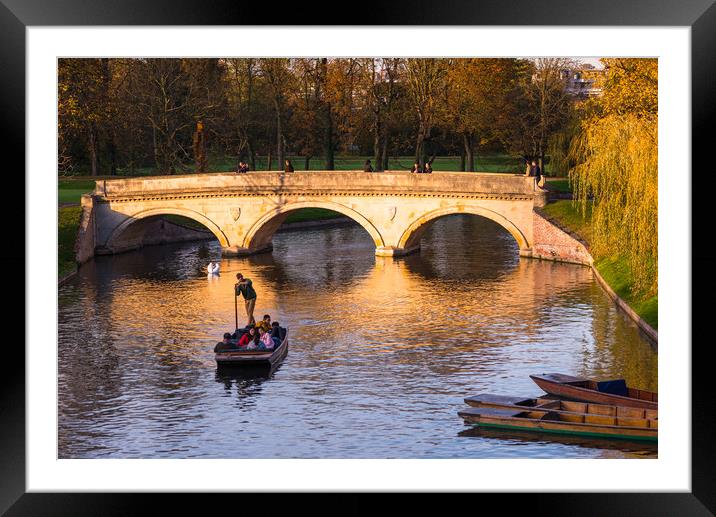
x,y
245,288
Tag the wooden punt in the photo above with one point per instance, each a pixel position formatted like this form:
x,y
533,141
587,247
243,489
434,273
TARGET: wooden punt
x,y
615,393
546,421
560,406
253,357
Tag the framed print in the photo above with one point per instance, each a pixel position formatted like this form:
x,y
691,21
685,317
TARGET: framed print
x,y
324,176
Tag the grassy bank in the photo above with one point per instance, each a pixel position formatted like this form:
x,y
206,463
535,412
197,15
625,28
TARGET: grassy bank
x,y
304,214
559,184
68,223
71,188
484,163
614,269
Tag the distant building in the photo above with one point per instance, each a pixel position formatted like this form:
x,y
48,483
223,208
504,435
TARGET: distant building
x,y
585,81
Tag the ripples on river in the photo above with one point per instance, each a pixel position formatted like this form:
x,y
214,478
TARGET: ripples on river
x,y
382,351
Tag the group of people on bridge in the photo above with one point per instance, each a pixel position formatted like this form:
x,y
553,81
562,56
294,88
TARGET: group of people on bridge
x,y
367,167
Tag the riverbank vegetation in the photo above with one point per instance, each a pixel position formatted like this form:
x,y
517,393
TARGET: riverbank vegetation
x,y
613,160
616,157
614,268
68,224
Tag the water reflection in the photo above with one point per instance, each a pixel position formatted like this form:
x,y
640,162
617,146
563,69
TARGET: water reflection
x,y
610,448
245,381
382,351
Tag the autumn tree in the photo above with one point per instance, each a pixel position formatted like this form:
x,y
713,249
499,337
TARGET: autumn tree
x,y
280,80
83,107
617,166
540,107
244,103
478,93
382,90
427,81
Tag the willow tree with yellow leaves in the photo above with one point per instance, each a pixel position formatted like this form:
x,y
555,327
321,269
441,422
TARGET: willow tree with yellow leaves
x,y
617,164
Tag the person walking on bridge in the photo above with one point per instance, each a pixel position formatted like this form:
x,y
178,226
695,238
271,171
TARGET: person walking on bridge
x,y
245,288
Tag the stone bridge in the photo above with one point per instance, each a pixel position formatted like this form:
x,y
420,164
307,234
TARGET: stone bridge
x,y
244,210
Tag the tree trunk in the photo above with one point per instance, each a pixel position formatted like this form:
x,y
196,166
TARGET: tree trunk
x,y
469,153
268,161
279,142
112,147
385,153
307,162
93,151
462,159
328,139
252,157
157,164
112,156
327,119
377,148
419,148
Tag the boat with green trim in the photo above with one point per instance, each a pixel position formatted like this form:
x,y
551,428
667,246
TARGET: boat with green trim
x,y
560,406
563,422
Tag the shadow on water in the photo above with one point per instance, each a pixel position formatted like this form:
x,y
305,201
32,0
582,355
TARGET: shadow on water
x,y
246,379
632,446
481,255
331,257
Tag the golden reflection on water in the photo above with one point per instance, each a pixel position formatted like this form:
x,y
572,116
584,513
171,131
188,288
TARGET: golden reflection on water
x,y
465,315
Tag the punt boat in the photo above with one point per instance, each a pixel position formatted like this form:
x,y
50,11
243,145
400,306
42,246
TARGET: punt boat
x,y
253,357
546,421
487,400
615,392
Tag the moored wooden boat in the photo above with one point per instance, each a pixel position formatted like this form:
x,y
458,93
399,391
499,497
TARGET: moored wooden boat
x,y
546,421
253,357
487,400
614,392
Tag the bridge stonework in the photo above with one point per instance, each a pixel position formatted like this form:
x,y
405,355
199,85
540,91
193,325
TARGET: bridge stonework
x,y
244,210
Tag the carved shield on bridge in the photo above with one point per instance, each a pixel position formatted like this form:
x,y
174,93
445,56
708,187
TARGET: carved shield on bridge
x,y
235,213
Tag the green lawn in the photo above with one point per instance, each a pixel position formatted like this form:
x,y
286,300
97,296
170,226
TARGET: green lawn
x,y
559,184
614,269
68,224
616,272
570,216
483,163
304,214
71,190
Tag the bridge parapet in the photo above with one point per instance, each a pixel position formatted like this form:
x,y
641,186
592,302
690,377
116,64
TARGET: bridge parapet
x,y
244,210
272,183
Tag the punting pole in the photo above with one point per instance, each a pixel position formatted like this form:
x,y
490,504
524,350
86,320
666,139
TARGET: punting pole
x,y
236,309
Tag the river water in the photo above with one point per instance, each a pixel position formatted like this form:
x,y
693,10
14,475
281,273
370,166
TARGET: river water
x,y
382,351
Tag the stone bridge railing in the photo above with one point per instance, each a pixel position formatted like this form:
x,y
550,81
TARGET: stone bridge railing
x,y
244,210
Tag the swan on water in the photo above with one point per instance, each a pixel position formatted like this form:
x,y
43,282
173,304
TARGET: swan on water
x,y
213,268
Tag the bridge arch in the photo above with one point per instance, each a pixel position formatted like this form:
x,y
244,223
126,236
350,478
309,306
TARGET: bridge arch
x,y
410,238
116,234
263,229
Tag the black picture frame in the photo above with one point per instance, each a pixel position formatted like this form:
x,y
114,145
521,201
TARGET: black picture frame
x,y
699,15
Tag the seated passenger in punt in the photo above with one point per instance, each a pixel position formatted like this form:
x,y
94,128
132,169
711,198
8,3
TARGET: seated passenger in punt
x,y
226,344
249,339
276,333
265,323
265,341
